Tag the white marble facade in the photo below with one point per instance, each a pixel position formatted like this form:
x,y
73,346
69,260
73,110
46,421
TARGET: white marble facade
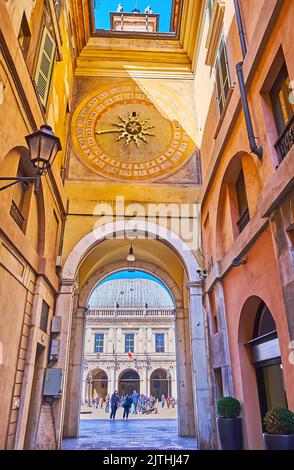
x,y
143,309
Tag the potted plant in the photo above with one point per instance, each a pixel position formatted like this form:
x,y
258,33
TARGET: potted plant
x,y
279,425
230,423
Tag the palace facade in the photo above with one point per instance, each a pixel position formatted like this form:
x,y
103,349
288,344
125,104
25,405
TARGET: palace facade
x,y
130,344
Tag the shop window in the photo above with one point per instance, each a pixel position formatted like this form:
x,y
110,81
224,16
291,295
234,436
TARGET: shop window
x,y
222,77
24,36
283,109
266,356
243,209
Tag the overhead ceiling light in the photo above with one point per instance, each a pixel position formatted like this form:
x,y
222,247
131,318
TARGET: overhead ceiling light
x,y
131,257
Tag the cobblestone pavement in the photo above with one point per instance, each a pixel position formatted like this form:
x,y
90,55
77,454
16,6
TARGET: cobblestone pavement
x,y
135,434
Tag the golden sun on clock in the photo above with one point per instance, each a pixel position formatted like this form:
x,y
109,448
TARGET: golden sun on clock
x,y
122,134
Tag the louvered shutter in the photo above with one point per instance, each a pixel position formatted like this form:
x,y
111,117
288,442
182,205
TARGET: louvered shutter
x,y
45,65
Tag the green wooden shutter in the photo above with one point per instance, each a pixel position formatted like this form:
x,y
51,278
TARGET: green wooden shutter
x,y
45,65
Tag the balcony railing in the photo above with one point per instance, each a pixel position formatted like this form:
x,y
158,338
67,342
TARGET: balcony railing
x,y
286,140
16,215
243,221
130,312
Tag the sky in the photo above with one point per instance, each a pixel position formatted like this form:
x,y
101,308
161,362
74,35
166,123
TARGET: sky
x,y
104,7
134,275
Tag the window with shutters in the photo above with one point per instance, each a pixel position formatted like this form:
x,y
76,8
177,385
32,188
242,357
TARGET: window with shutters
x,y
222,77
45,66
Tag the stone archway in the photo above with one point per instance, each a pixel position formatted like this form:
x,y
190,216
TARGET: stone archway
x,y
99,383
194,392
128,381
160,383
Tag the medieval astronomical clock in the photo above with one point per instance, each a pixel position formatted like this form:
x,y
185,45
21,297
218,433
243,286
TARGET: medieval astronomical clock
x,y
129,133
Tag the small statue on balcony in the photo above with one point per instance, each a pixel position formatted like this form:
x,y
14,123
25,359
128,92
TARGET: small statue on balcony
x,y
120,8
148,10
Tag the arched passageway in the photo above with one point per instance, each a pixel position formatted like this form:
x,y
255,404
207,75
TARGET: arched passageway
x,y
128,382
160,383
169,254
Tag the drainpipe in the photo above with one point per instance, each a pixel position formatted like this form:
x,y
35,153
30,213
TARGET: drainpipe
x,y
253,147
240,28
239,68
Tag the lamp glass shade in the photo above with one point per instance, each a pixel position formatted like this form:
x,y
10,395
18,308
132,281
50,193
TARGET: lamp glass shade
x,y
43,146
131,257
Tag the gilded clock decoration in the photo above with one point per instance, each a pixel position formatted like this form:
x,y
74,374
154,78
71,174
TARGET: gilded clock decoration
x,y
132,128
122,132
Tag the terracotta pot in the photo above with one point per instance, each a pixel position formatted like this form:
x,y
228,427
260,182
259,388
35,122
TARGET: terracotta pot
x,y
278,441
230,433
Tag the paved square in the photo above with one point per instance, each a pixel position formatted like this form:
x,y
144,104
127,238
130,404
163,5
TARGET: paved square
x,y
134,434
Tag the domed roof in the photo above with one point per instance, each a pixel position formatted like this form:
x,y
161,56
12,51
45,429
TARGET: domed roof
x,y
130,293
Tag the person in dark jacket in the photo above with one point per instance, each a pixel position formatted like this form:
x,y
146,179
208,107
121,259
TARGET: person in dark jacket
x,y
114,404
127,405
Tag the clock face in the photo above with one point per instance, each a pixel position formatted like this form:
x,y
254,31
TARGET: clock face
x,y
124,133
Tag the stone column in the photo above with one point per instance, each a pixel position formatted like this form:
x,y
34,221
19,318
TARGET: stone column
x,y
200,371
144,386
112,381
64,308
184,373
74,388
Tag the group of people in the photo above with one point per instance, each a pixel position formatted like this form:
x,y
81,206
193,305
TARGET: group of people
x,y
138,403
168,401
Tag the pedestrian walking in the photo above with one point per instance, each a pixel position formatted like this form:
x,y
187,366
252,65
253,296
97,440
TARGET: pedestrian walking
x,y
127,405
114,404
173,402
162,400
107,401
135,398
168,402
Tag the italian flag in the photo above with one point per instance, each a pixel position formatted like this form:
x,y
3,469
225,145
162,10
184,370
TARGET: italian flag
x,y
130,354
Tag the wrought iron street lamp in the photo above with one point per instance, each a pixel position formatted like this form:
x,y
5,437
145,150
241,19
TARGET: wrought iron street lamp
x,y
43,146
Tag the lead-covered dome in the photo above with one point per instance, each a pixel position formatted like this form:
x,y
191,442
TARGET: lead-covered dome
x,y
130,293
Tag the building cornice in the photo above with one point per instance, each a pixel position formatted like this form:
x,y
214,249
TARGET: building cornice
x,y
138,57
